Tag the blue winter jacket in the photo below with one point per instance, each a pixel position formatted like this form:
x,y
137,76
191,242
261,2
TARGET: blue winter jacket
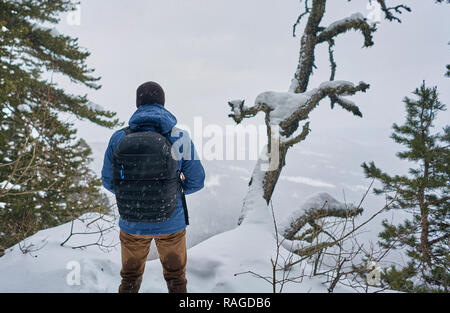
x,y
189,165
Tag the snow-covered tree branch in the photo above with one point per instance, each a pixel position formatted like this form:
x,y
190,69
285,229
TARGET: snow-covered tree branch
x,y
287,113
356,22
287,109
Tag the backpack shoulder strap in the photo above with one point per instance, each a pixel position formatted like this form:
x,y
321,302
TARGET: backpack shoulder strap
x,y
127,130
183,202
183,198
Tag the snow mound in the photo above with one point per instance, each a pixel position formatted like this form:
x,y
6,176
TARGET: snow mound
x,y
315,201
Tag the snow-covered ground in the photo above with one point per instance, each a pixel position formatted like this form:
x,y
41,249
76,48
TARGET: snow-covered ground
x,y
218,249
212,264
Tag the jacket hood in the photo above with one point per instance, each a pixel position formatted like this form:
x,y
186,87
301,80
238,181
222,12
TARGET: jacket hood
x,y
152,117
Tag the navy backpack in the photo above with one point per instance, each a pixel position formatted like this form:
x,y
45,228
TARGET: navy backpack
x,y
146,178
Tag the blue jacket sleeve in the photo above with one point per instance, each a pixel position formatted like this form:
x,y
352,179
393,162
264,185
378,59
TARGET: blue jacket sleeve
x,y
193,170
107,177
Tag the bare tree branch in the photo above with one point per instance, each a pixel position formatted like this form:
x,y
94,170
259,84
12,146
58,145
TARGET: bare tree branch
x,y
390,11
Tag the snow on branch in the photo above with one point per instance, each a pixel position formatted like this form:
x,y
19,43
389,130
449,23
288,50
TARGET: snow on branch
x,y
326,89
53,31
286,109
318,206
356,22
94,106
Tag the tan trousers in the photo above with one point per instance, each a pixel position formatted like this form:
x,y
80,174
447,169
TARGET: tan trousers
x,y
172,254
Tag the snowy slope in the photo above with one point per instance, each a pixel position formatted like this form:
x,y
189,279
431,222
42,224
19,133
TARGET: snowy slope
x,y
212,264
217,248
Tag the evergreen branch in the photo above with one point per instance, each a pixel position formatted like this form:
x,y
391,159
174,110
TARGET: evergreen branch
x,y
434,241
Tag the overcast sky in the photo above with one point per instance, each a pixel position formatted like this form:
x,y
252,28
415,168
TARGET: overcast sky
x,y
207,52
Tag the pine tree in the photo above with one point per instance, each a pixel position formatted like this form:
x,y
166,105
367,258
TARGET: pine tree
x,y
44,175
423,193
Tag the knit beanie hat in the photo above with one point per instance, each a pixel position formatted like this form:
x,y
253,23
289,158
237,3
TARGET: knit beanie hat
x,y
149,93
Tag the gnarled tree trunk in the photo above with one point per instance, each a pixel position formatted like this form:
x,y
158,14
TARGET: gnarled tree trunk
x,y
298,102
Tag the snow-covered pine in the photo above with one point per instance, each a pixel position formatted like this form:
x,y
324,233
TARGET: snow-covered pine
x,y
53,31
43,148
94,106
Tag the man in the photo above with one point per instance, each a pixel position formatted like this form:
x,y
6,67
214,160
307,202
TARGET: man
x,y
143,199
